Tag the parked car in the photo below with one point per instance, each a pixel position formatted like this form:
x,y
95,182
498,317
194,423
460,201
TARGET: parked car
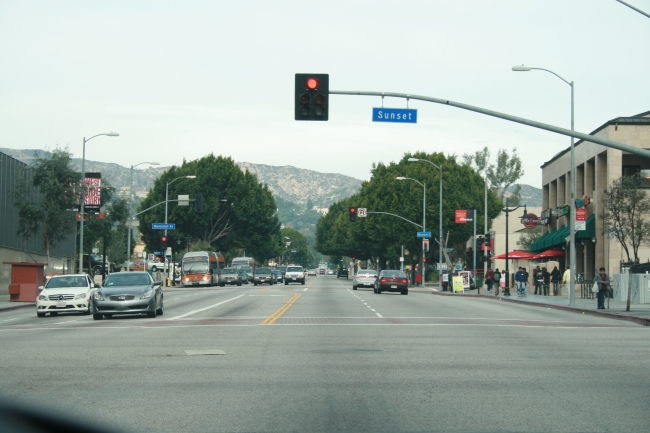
x,y
230,276
128,293
263,276
295,274
66,293
342,272
392,281
311,272
156,265
92,264
364,278
278,275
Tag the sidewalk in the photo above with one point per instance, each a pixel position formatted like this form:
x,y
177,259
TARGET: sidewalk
x,y
5,305
639,313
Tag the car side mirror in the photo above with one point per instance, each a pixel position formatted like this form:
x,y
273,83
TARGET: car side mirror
x,y
157,283
97,286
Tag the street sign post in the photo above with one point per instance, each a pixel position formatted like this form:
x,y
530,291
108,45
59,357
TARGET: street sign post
x,y
162,226
581,219
394,115
441,266
424,235
362,212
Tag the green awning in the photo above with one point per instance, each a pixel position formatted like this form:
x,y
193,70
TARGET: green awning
x,y
558,238
537,245
591,229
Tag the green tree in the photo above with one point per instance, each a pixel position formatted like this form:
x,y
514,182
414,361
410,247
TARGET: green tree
x,y
44,202
501,174
111,229
238,211
382,236
528,237
298,250
626,205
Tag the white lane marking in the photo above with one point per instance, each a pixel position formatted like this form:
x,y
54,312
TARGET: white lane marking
x,y
206,308
9,320
372,309
379,315
176,299
305,289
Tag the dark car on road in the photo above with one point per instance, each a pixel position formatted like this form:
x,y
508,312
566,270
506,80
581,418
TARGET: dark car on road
x,y
278,275
263,276
343,272
392,281
128,293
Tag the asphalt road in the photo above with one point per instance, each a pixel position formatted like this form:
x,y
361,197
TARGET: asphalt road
x,y
325,358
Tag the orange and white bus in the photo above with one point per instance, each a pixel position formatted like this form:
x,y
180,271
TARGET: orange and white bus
x,y
201,268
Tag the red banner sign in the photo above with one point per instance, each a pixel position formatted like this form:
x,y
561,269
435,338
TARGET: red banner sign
x,y
461,216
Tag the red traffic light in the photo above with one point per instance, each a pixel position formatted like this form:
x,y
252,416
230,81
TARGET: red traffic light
x,y
353,210
312,83
424,260
164,238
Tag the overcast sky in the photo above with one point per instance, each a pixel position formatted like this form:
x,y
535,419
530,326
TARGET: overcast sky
x,y
181,79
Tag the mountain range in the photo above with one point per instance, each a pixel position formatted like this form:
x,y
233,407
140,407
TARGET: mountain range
x,y
292,184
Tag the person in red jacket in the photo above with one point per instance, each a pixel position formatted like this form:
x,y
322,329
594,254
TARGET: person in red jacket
x,y
418,279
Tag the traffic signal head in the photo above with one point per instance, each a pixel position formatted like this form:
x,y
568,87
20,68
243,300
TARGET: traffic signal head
x,y
353,214
163,241
312,96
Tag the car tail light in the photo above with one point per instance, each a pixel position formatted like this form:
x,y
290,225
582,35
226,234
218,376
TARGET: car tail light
x,y
383,280
405,281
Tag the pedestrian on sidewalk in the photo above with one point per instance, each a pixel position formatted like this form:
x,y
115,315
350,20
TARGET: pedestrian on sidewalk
x,y
603,285
546,281
489,279
497,279
418,279
555,279
520,278
526,279
537,277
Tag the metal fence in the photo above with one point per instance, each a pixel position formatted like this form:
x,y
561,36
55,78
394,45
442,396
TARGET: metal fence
x,y
11,171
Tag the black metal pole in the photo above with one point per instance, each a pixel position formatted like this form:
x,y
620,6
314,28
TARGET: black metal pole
x,y
104,260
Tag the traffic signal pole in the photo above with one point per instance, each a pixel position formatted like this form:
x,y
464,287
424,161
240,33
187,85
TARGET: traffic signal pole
x,y
562,131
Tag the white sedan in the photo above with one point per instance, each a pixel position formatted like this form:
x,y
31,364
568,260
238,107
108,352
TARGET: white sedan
x,y
311,272
66,293
364,278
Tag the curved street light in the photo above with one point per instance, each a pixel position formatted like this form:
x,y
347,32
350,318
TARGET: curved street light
x,y
82,198
572,204
424,221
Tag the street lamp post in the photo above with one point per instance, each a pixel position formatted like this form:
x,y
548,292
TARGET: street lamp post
x,y
82,197
169,268
507,211
439,167
572,204
424,221
128,241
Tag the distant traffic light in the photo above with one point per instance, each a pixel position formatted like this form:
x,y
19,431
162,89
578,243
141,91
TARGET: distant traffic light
x,y
163,242
198,202
353,214
312,96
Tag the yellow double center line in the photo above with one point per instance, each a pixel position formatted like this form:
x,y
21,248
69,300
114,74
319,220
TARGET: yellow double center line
x,y
283,309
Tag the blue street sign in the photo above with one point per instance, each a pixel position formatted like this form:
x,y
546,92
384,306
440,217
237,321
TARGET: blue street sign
x,y
426,235
449,250
161,226
459,266
394,115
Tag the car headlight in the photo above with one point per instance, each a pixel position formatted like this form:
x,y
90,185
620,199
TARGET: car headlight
x,y
81,296
98,296
42,297
148,294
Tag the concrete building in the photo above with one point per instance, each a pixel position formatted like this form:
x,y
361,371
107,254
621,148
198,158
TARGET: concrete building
x,y
596,168
12,247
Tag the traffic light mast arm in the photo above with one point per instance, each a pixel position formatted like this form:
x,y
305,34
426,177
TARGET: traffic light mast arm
x,y
528,122
392,214
157,204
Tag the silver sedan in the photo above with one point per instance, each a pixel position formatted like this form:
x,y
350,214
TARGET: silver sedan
x,y
128,293
364,278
